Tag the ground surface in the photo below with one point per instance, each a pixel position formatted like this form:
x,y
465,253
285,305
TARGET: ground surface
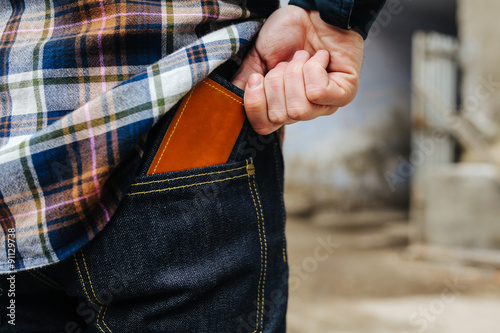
x,y
366,281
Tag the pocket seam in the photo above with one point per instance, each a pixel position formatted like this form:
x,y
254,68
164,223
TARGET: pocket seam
x,y
173,131
223,92
259,321
187,177
186,186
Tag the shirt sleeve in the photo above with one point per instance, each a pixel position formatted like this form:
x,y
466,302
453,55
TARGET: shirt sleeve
x,y
358,15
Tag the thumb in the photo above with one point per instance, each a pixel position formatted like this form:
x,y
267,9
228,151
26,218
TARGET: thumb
x,y
252,64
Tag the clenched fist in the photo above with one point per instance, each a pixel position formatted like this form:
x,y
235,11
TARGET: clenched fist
x,y
299,68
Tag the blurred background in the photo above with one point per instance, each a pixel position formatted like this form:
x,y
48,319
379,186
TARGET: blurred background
x,y
394,201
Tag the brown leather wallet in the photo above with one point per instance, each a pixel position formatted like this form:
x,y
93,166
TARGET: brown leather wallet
x,y
203,131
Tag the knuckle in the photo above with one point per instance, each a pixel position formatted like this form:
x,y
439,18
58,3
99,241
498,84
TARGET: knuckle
x,y
273,80
252,107
294,70
315,94
344,98
260,126
310,65
274,87
297,112
277,117
254,104
274,73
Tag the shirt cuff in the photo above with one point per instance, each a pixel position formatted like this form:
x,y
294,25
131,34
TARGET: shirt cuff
x,y
364,13
334,12
358,15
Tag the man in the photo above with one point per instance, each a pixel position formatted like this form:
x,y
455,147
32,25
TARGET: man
x,y
190,249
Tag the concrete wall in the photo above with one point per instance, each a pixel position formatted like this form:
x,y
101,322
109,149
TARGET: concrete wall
x,y
479,32
461,206
479,35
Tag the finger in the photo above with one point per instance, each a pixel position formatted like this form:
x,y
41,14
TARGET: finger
x,y
298,106
256,105
322,87
252,64
274,86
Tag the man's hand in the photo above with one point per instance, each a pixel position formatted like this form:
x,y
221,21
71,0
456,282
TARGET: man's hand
x,y
299,68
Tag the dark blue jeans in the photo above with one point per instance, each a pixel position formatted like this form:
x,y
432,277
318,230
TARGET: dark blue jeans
x,y
200,250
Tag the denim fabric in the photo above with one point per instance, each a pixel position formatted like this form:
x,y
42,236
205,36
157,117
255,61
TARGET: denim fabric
x,y
200,250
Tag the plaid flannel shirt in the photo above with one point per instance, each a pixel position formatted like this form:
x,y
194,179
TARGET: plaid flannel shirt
x,y
81,84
